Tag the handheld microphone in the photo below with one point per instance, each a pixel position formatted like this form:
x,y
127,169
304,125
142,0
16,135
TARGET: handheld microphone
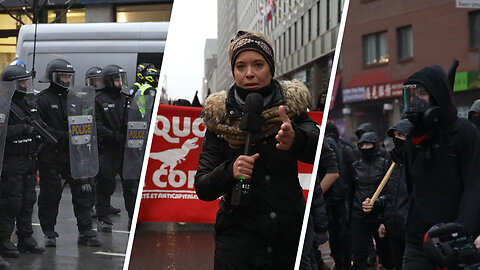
x,y
251,122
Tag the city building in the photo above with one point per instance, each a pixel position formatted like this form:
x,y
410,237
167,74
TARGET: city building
x,y
387,41
210,78
303,34
15,13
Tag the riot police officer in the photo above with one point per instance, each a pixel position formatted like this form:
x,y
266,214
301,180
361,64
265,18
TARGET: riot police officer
x,y
53,160
110,111
93,77
18,180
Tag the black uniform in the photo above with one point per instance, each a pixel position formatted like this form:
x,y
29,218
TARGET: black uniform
x,y
54,164
442,169
18,195
110,112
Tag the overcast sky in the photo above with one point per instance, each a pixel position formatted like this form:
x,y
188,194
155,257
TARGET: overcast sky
x,y
191,23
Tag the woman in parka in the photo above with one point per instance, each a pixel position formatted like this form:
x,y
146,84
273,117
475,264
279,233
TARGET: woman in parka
x,y
262,232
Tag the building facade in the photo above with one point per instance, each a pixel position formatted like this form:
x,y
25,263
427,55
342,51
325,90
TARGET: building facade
x,y
16,13
303,34
210,78
387,41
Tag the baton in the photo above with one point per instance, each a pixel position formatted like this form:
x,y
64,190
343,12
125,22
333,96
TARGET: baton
x,y
382,184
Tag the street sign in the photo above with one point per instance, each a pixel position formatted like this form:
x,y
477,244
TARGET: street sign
x,y
468,3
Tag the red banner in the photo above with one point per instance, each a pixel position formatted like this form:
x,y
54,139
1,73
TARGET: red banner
x,y
169,194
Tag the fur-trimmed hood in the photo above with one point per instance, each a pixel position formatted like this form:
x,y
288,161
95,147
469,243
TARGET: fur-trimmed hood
x,y
222,120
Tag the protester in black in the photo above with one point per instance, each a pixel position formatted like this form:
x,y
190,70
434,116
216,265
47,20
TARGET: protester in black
x,y
54,160
338,200
368,173
264,232
395,191
443,153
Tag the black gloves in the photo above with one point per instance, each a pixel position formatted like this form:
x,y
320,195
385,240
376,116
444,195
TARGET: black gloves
x,y
86,185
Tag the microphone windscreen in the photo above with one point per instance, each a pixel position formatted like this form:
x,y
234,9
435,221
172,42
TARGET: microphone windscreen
x,y
254,103
252,118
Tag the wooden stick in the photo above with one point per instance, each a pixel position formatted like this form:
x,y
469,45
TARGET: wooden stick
x,y
382,184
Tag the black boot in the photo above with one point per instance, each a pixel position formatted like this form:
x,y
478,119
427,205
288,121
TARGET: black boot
x,y
104,224
114,211
29,245
88,238
8,249
50,238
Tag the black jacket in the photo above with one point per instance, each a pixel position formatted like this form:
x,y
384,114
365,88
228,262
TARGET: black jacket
x,y
265,233
443,174
111,117
52,103
21,138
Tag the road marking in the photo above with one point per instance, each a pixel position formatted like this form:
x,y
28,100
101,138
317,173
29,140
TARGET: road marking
x,y
115,231
35,224
109,253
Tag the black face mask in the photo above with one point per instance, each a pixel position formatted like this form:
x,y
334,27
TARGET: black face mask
x,y
398,153
475,120
367,153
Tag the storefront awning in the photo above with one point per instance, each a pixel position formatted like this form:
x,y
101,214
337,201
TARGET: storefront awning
x,y
369,78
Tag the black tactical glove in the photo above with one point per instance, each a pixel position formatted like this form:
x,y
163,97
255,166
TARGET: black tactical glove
x,y
86,186
28,129
119,137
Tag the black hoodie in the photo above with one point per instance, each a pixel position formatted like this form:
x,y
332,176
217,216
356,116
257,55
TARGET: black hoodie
x,y
443,175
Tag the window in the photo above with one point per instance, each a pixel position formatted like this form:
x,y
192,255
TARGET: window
x,y
302,32
474,22
309,18
328,14
73,15
405,42
295,36
284,44
375,49
290,40
318,19
339,11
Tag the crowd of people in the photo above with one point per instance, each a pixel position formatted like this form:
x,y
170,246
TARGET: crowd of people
x,y
259,129
433,184
43,135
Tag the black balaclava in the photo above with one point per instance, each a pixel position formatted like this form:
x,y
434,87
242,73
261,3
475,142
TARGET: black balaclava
x,y
398,152
331,130
435,81
368,137
365,127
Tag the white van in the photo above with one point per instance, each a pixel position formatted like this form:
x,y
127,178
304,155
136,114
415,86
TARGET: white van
x,y
86,45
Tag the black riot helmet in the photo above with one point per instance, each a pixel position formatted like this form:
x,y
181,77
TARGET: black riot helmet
x,y
93,77
114,78
59,72
141,68
151,76
21,77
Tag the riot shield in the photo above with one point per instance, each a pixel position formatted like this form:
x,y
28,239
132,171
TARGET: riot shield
x,y
6,92
139,116
82,132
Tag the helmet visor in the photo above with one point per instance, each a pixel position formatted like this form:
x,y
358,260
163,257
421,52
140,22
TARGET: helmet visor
x,y
412,93
24,85
96,82
64,79
120,81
